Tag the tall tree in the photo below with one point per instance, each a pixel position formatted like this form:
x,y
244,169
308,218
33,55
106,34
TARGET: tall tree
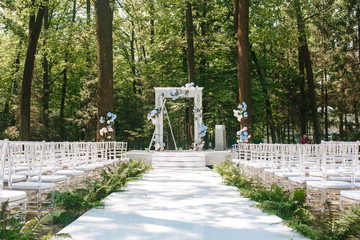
x,y
269,114
190,64
303,105
309,72
243,64
46,84
65,76
35,24
103,16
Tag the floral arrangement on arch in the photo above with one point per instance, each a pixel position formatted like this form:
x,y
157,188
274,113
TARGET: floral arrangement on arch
x,y
183,92
158,146
198,146
240,114
152,116
175,94
108,120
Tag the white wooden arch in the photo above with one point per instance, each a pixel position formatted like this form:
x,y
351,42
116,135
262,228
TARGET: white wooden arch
x,y
163,93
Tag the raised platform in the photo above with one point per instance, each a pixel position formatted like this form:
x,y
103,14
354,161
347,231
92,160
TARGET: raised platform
x,y
180,158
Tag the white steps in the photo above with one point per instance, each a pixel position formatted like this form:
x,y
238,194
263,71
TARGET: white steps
x,y
182,159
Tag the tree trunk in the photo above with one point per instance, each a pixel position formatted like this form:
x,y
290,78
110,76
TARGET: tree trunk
x,y
190,43
303,102
358,28
243,64
191,66
35,24
62,128
356,111
8,116
88,22
309,74
267,97
46,85
326,107
62,102
103,14
203,28
203,61
152,22
341,127
236,17
132,55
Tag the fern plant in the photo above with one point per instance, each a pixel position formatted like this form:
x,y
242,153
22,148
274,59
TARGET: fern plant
x,y
12,228
291,206
111,180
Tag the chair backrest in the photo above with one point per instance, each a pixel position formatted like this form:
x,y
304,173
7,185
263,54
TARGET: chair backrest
x,y
3,151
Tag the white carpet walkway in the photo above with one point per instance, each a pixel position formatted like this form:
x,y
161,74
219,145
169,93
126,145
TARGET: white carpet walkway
x,y
177,204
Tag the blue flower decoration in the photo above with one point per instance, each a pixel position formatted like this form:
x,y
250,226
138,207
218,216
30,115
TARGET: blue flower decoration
x,y
245,114
173,92
102,120
109,114
155,140
203,127
240,106
245,106
175,97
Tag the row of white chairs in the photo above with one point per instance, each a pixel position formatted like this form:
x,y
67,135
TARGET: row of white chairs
x,y
330,171
33,170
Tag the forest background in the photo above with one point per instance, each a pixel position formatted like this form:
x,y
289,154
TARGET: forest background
x,y
150,50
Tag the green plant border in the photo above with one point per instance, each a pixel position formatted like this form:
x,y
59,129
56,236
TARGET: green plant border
x,y
70,205
292,208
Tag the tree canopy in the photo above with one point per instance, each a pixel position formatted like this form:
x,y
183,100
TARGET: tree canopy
x,y
150,50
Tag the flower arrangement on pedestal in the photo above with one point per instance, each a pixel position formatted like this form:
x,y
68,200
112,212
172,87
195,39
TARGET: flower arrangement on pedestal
x,y
240,114
108,120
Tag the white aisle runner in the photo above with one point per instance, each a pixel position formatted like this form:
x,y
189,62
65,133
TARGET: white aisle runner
x,y
176,204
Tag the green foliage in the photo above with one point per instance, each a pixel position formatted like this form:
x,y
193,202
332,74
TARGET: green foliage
x,y
348,224
149,48
11,226
291,206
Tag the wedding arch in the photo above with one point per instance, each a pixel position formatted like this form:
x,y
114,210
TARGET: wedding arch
x,y
161,96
